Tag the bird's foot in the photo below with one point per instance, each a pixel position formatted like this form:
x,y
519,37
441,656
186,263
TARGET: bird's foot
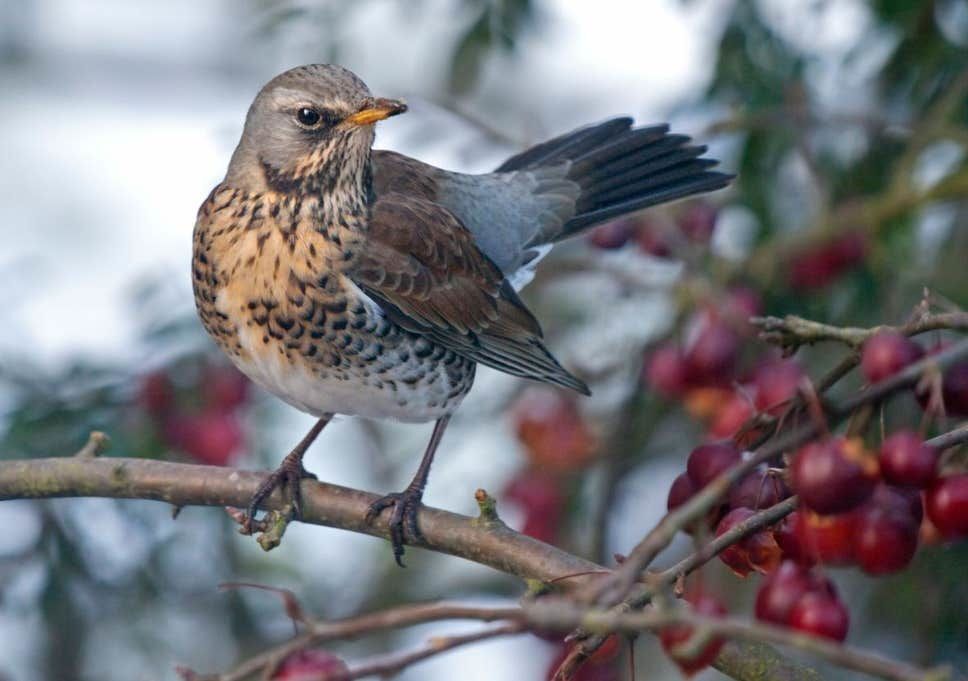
x,y
403,520
288,476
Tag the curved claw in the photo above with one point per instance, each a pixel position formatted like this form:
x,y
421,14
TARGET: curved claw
x,y
403,520
289,476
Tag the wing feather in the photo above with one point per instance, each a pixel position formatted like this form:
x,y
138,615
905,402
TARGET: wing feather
x,y
423,267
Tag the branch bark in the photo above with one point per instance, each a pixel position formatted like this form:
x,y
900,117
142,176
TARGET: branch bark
x,y
488,542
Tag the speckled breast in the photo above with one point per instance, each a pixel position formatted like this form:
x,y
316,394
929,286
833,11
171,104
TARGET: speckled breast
x,y
276,302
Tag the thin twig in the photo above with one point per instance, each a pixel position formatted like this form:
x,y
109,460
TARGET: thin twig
x,y
950,439
752,525
391,665
320,631
792,331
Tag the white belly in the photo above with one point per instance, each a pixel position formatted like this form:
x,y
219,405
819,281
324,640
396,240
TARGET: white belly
x,y
393,394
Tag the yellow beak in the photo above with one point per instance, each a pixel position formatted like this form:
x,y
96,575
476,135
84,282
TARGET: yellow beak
x,y
377,111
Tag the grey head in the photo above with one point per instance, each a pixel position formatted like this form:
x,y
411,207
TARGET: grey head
x,y
309,128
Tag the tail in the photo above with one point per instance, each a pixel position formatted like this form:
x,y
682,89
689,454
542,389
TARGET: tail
x,y
621,169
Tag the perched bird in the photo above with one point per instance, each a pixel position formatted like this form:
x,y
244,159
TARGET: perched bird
x,y
351,281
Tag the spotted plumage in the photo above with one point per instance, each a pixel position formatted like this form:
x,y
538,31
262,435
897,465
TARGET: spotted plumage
x,y
352,281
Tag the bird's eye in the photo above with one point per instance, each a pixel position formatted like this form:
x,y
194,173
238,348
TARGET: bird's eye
x,y
308,117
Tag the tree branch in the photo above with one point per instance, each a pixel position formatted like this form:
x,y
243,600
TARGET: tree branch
x,y
489,543
792,331
559,612
392,665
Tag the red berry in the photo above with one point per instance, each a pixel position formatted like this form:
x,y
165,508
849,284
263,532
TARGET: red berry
x,y
887,352
737,410
776,383
758,551
212,437
706,462
954,389
606,652
156,394
826,539
818,266
593,670
848,249
712,351
704,402
653,239
676,637
811,270
834,475
698,221
665,371
311,665
946,502
224,388
742,302
903,500
907,461
780,591
552,430
539,495
681,491
885,539
788,539
735,556
820,615
758,490
611,235
763,551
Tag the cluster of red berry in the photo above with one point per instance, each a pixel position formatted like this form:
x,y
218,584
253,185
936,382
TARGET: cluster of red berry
x,y
557,443
856,507
196,411
703,372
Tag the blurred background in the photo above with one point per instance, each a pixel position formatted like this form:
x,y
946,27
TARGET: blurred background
x,y
846,121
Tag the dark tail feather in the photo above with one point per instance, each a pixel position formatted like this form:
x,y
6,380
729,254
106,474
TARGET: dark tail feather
x,y
622,169
570,145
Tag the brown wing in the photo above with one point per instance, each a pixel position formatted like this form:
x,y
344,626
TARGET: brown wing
x,y
422,266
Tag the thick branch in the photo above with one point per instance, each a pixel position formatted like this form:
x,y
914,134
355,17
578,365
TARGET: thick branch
x,y
489,543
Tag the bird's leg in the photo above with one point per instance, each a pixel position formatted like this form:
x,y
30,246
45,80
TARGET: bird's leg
x,y
405,504
289,474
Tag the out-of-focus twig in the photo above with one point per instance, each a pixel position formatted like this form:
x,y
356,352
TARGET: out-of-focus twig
x,y
391,665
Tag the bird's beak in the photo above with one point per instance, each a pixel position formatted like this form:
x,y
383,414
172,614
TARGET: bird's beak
x,y
377,110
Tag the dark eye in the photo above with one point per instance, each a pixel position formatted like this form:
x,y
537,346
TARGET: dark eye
x,y
308,117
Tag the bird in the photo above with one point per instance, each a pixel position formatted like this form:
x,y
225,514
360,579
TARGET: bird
x,y
353,281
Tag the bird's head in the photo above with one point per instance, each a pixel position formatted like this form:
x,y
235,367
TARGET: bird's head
x,y
312,124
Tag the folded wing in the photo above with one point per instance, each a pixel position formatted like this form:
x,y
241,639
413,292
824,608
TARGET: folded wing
x,y
425,270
